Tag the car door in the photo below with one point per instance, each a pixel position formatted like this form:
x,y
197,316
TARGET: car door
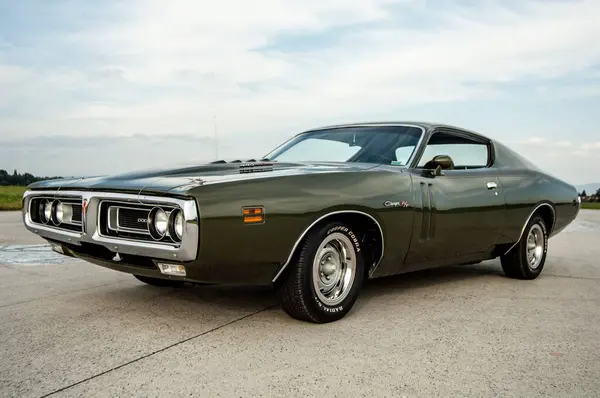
x,y
459,212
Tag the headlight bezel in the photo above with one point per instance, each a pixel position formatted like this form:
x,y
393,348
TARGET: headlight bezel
x,y
155,233
176,230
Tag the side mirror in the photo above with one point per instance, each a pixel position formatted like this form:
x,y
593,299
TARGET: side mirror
x,y
442,162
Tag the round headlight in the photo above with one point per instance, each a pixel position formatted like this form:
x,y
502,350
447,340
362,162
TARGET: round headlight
x,y
161,222
158,223
178,224
47,211
63,213
59,212
56,212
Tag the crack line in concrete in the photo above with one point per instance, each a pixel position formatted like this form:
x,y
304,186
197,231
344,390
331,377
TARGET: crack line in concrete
x,y
60,294
159,351
572,277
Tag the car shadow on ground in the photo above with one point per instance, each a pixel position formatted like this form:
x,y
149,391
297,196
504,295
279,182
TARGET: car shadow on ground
x,y
434,276
252,298
240,296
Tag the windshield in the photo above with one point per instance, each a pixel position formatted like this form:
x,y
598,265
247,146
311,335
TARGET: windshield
x,y
366,144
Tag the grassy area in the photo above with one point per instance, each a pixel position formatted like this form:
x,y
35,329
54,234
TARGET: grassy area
x,y
10,197
591,205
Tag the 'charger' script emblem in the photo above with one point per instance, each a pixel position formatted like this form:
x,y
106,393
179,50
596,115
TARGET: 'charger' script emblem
x,y
389,203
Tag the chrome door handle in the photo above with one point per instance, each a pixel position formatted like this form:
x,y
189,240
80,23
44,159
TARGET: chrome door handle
x,y
492,185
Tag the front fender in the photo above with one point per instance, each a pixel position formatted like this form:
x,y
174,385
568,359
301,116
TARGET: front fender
x,y
292,204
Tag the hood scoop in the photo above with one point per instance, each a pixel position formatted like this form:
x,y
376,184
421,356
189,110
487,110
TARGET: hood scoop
x,y
222,161
250,165
255,167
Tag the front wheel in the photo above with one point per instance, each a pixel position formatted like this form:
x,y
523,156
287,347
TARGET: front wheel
x,y
323,282
526,260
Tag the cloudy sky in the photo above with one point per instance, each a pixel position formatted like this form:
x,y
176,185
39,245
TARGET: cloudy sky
x,y
94,87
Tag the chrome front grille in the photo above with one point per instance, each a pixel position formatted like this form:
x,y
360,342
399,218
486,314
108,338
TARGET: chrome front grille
x,y
77,212
87,222
130,221
123,218
133,219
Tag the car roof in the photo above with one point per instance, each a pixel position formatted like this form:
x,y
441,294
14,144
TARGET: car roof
x,y
427,126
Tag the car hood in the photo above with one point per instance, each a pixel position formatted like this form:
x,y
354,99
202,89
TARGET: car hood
x,y
180,180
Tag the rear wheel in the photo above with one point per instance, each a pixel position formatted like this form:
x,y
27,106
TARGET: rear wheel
x,y
159,281
323,282
526,260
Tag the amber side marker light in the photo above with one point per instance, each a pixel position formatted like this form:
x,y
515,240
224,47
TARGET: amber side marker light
x,y
253,215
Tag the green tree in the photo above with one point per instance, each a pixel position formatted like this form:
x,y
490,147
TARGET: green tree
x,y
20,179
584,194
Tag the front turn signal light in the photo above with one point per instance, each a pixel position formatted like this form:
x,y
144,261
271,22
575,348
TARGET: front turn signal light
x,y
172,269
254,215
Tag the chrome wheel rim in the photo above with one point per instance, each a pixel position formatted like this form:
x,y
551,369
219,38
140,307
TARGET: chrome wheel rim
x,y
535,246
334,269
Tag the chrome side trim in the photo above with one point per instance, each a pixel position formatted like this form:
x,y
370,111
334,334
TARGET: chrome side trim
x,y
417,153
529,218
289,259
185,251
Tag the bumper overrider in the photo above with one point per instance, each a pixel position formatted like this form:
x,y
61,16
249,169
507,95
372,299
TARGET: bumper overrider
x,y
115,230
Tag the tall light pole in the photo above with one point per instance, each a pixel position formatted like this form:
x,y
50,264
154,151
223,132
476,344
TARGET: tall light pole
x,y
216,138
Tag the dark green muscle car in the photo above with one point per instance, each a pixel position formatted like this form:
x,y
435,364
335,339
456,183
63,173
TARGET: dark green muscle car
x,y
317,216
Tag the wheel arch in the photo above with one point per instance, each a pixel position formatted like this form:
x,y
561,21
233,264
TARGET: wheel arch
x,y
355,218
547,211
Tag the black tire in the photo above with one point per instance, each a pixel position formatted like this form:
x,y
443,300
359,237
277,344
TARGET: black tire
x,y
159,281
295,290
515,264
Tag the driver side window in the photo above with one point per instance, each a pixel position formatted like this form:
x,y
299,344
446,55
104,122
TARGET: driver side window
x,y
465,153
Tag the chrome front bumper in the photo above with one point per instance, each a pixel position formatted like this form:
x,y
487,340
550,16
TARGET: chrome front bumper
x,y
186,250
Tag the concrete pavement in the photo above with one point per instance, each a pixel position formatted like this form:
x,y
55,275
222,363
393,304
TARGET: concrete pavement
x,y
69,328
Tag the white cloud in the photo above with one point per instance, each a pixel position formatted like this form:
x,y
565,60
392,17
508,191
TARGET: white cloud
x,y
564,144
168,67
591,145
534,140
572,161
543,142
570,91
11,75
197,54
